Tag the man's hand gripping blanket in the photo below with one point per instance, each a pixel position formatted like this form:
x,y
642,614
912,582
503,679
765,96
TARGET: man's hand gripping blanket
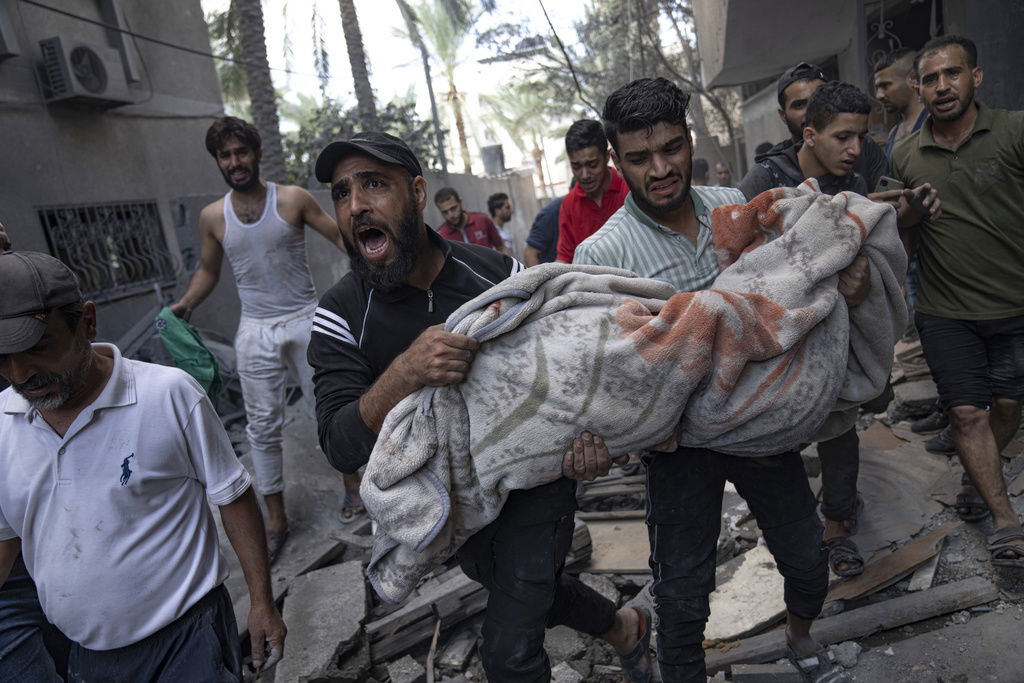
x,y
751,366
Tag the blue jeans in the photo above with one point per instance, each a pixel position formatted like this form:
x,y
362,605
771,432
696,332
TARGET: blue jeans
x,y
684,516
23,653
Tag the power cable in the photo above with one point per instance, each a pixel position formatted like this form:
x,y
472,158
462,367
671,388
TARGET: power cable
x,y
158,41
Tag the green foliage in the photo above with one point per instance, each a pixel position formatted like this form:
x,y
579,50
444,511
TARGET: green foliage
x,y
323,124
223,29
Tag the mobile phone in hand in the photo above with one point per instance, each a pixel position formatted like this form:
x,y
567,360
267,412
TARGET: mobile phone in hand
x,y
886,183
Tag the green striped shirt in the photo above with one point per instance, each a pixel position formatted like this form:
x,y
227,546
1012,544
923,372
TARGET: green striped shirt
x,y
631,240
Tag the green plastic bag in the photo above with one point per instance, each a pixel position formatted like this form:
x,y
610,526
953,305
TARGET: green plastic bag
x,y
189,352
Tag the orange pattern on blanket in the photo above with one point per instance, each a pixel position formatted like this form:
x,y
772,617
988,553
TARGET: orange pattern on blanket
x,y
738,228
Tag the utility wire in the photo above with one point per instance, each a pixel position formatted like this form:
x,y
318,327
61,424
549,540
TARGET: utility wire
x,y
158,41
565,53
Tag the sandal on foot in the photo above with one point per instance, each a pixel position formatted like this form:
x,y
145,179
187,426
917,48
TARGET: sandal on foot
x,y
970,506
636,666
275,541
820,667
352,507
842,550
1007,547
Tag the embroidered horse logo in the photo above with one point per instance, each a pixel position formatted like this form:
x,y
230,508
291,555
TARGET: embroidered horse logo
x,y
126,471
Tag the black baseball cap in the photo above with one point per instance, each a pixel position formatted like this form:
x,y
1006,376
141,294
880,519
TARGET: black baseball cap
x,y
34,286
801,72
387,148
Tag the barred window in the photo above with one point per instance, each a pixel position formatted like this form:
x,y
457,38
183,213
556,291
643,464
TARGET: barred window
x,y
115,248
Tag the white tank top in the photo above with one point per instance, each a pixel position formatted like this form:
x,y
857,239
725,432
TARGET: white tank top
x,y
268,258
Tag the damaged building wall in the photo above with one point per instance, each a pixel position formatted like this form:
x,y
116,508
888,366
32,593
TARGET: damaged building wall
x,y
90,167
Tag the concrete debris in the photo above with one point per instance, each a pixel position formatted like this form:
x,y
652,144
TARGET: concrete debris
x,y
324,611
749,596
960,618
602,584
563,673
563,644
407,670
847,653
458,649
913,399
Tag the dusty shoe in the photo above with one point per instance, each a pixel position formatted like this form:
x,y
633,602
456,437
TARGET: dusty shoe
x,y
935,422
942,443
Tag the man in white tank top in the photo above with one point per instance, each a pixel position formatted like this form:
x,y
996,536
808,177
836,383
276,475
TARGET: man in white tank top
x,y
259,226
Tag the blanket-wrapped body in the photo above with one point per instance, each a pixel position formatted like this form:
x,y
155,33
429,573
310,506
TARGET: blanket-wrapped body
x,y
752,367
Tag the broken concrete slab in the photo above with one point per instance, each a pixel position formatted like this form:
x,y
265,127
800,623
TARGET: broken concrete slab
x,y
882,616
619,547
748,596
914,399
987,648
563,644
407,670
602,585
847,653
324,611
563,673
353,665
888,569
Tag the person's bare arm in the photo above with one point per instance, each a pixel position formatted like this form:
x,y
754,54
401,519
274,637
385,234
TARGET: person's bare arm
x,y
315,217
435,358
912,206
9,551
531,255
5,241
211,257
243,525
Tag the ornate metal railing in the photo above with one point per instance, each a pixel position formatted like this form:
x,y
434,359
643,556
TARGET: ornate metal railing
x,y
115,248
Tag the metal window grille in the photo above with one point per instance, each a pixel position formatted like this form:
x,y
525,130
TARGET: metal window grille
x,y
115,248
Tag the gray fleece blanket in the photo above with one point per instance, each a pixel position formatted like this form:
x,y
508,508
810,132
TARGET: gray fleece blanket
x,y
752,367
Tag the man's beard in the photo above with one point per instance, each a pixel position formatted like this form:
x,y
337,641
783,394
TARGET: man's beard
x,y
795,132
403,259
68,384
965,100
652,209
254,178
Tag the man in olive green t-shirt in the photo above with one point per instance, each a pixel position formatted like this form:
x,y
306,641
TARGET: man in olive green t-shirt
x,y
970,302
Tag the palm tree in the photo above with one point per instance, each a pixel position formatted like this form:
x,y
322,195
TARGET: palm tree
x,y
357,60
522,111
445,26
413,34
261,89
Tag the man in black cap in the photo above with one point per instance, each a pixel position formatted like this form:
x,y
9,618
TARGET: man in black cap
x,y
108,471
794,91
378,337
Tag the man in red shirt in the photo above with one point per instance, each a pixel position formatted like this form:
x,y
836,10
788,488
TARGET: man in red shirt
x,y
462,226
599,190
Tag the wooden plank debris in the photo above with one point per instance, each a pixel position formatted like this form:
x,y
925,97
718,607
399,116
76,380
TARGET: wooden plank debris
x,y
858,623
891,568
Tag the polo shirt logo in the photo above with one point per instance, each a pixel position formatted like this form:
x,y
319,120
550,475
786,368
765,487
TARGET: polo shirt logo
x,y
126,471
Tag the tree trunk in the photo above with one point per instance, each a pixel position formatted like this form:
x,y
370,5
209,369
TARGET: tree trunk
x,y
414,35
260,86
357,60
455,97
538,162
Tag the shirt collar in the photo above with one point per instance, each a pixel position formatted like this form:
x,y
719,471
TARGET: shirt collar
x,y
699,208
119,390
984,122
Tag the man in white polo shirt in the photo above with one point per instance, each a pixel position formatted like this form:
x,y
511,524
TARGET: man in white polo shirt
x,y
108,468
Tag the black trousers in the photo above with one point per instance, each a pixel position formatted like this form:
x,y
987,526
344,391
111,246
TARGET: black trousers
x,y
519,559
200,646
684,513
840,466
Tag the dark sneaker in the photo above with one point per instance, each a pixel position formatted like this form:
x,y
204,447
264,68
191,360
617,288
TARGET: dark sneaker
x,y
941,443
935,422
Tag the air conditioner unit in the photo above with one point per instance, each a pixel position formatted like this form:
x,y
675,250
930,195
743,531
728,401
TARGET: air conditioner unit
x,y
83,73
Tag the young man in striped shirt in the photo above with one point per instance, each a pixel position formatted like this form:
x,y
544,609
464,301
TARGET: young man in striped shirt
x,y
663,230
